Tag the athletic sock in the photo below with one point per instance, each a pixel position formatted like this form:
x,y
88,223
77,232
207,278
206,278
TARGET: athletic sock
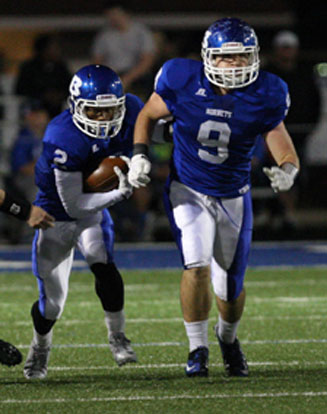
x,y
227,330
43,341
197,333
115,321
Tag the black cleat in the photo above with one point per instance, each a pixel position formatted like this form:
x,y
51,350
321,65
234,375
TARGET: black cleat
x,y
9,354
197,364
234,360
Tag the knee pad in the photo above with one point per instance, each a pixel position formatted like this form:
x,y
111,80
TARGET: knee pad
x,y
41,324
109,286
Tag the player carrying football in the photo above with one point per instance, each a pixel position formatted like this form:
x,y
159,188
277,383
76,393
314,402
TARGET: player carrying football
x,y
219,107
100,123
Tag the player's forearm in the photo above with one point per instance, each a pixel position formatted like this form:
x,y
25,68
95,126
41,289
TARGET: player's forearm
x,y
17,207
281,146
143,128
78,204
285,154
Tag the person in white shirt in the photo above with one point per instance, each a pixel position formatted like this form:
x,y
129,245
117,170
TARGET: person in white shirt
x,y
125,45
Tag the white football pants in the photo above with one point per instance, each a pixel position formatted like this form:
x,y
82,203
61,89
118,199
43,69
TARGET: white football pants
x,y
212,231
53,253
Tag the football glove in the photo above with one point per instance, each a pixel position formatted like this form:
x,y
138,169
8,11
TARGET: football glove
x,y
124,186
281,179
139,170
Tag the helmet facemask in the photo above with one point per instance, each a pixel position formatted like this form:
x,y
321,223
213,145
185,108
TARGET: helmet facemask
x,y
231,77
99,129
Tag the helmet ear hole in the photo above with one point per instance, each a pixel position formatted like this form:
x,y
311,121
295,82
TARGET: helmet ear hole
x,y
97,86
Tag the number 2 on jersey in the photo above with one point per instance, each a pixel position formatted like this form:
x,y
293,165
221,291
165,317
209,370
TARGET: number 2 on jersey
x,y
221,143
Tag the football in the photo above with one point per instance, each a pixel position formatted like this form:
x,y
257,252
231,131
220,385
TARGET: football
x,y
103,177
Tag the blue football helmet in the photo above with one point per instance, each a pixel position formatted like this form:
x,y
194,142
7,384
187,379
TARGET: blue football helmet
x,y
97,86
230,36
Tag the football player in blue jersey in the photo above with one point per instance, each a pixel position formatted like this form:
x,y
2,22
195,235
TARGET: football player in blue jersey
x,y
100,123
219,106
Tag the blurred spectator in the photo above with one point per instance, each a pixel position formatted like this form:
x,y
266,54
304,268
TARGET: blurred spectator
x,y
127,47
166,48
25,152
305,97
304,111
45,76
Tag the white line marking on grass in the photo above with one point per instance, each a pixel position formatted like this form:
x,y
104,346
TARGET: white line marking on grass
x,y
70,322
290,282
168,397
287,299
156,287
181,365
162,344
251,299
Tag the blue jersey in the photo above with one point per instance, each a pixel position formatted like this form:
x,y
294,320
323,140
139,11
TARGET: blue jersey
x,y
214,135
69,149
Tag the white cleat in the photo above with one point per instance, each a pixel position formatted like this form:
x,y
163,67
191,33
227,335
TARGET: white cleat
x,y
36,365
121,348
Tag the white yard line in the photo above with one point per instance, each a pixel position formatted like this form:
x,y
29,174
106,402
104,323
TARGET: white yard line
x,y
177,344
181,365
70,322
251,299
75,287
168,397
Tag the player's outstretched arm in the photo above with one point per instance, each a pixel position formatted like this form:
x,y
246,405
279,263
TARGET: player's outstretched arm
x,y
282,149
140,167
22,209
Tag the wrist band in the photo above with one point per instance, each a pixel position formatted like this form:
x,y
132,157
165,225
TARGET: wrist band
x,y
140,149
290,169
16,207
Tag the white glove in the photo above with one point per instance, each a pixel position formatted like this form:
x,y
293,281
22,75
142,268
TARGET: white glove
x,y
139,169
124,186
281,179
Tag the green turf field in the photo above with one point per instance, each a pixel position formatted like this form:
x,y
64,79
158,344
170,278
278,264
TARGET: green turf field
x,y
283,333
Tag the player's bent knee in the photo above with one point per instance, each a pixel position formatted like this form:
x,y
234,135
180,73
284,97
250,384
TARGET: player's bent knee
x,y
95,253
199,273
53,310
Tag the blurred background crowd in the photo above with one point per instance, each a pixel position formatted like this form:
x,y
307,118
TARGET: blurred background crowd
x,y
43,43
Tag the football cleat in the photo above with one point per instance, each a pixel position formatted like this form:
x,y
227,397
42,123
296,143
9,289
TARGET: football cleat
x,y
234,360
121,348
9,354
36,365
197,364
